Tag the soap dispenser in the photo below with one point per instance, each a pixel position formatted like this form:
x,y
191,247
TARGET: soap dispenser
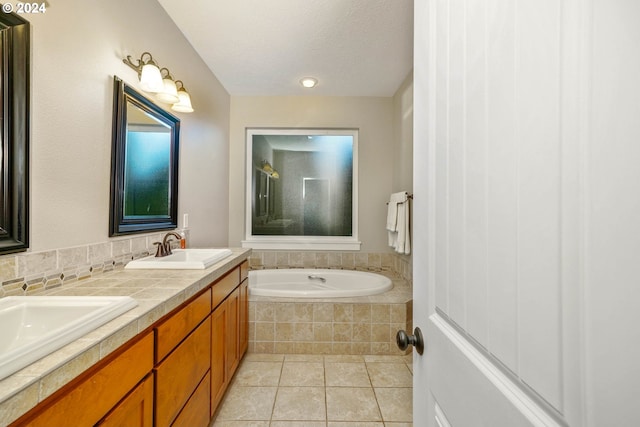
x,y
184,232
183,239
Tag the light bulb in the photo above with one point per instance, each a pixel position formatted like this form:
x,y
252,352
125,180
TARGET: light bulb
x,y
169,93
151,79
184,103
309,82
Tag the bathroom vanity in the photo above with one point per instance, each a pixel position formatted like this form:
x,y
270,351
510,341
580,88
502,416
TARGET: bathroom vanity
x,y
174,370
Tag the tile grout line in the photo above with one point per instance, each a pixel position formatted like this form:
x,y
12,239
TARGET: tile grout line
x,y
326,403
373,390
275,399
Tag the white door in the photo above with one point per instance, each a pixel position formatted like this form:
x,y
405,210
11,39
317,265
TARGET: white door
x,y
527,212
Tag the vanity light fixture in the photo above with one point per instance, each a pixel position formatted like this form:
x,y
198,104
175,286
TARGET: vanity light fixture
x,y
159,81
309,82
184,104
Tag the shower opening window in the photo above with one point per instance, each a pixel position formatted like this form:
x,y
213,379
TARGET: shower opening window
x,y
302,189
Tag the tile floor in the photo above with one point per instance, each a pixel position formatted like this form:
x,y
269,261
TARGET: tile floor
x,y
275,390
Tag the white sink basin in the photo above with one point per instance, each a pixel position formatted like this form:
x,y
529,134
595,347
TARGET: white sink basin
x,y
33,327
187,259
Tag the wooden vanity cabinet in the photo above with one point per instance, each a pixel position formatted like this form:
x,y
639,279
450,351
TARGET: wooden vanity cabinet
x,y
175,375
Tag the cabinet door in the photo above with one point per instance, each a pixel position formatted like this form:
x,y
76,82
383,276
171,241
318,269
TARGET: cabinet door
x,y
196,412
135,410
218,364
244,317
232,344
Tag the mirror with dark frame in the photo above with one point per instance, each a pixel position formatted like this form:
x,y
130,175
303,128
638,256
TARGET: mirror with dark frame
x,y
14,133
144,164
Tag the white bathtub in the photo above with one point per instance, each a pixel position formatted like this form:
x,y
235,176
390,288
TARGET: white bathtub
x,y
316,283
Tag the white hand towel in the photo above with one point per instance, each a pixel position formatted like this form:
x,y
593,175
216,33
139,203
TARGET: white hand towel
x,y
398,222
403,244
392,209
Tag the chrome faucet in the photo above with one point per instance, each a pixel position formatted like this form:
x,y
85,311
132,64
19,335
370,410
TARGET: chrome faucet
x,y
164,247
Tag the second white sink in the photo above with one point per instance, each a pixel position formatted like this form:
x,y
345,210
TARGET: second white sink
x,y
186,259
34,326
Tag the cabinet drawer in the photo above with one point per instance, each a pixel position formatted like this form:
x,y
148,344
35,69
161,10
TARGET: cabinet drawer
x,y
175,329
223,287
87,403
180,373
196,411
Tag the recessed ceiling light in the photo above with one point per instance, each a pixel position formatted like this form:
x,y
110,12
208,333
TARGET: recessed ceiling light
x,y
309,82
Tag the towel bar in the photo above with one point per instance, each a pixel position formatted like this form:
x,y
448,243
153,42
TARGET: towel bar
x,y
409,196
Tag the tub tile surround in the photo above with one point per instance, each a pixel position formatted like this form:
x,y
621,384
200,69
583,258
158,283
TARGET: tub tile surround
x,y
339,326
315,390
400,265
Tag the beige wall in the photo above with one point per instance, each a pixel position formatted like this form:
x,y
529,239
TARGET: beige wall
x,y
403,137
403,143
372,115
77,47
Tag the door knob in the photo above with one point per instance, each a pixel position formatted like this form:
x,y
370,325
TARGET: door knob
x,y
404,341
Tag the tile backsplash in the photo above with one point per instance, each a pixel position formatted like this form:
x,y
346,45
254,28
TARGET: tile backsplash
x,y
28,273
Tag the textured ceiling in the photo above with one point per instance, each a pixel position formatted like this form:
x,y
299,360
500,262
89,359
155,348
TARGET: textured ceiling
x,y
264,47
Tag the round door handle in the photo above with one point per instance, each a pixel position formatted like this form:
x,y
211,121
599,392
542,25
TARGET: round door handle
x,y
403,340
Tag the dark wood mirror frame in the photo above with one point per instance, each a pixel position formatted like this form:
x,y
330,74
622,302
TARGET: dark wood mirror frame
x,y
14,138
120,224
